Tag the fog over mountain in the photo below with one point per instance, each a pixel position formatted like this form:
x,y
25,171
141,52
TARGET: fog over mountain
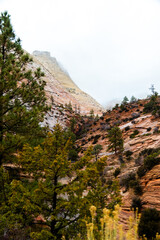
x,y
109,48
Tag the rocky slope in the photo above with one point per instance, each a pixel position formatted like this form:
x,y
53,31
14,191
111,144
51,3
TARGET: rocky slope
x,y
131,120
61,87
140,133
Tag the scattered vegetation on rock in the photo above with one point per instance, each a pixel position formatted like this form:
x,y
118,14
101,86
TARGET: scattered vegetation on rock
x,y
50,176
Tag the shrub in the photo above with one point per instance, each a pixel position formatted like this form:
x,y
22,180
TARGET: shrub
x,y
125,180
141,171
83,142
134,133
153,106
120,158
148,151
125,119
96,137
115,107
108,120
128,155
127,128
135,184
136,204
151,161
116,172
149,224
122,107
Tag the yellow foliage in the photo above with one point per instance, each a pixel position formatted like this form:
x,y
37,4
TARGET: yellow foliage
x,y
110,227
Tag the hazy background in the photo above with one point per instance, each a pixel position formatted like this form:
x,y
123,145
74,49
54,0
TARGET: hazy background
x,y
111,48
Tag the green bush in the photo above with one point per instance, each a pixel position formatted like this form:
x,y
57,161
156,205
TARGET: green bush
x,y
96,137
116,172
141,171
108,120
149,151
127,128
136,204
126,179
135,184
122,107
152,105
149,223
149,107
134,133
151,161
128,155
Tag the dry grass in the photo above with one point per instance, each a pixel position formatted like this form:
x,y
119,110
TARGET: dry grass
x,y
111,229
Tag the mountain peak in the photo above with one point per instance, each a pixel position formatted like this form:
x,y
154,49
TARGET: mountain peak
x,y
56,75
41,53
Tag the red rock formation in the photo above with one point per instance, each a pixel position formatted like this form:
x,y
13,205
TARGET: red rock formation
x,y
151,188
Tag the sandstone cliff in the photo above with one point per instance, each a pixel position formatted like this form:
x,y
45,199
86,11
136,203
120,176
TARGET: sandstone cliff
x,y
61,87
130,120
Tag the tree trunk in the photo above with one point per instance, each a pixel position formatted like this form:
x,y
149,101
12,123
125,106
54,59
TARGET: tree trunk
x,y
1,101
54,205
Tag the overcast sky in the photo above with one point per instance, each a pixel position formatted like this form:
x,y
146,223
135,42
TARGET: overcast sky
x,y
111,48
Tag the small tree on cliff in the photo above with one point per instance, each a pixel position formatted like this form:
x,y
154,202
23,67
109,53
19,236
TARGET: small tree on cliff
x,y
115,140
125,100
22,96
96,150
133,99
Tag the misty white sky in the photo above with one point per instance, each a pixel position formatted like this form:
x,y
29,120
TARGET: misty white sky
x,y
111,48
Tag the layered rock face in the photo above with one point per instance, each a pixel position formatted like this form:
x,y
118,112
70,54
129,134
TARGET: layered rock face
x,y
61,87
131,120
151,188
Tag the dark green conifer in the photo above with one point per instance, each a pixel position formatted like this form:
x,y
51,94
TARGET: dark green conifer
x,y
115,139
125,100
22,96
61,191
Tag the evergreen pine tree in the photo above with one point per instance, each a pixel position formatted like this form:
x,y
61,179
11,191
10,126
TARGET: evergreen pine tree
x,y
60,190
125,100
96,150
115,139
133,99
22,96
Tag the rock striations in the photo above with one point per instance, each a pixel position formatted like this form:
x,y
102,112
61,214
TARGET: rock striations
x,y
141,137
